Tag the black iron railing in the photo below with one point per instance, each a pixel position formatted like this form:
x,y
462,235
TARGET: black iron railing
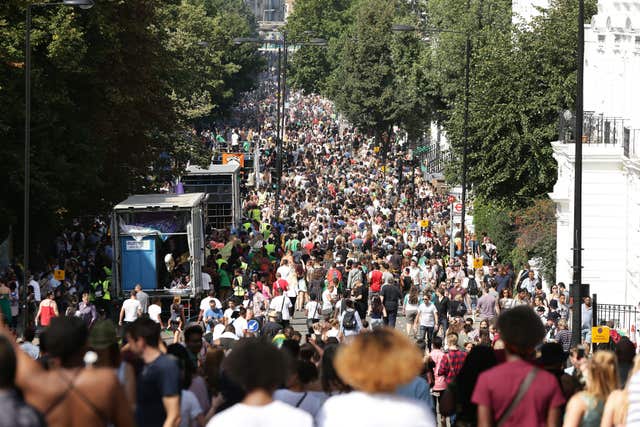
x,y
622,316
596,129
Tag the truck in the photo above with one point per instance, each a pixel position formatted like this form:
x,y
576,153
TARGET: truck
x,y
158,243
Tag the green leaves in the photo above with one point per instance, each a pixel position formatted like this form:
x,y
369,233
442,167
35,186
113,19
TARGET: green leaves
x,y
114,89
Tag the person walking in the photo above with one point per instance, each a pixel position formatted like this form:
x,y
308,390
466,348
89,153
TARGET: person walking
x,y
390,295
130,310
47,310
158,385
488,307
87,311
586,407
517,393
143,297
427,319
410,309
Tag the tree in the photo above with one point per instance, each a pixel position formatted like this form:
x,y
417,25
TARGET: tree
x,y
536,236
376,83
521,77
113,89
311,65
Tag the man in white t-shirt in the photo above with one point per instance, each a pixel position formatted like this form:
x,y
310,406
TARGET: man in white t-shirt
x,y
427,318
281,304
228,313
240,323
284,269
204,304
36,289
312,310
329,297
206,281
131,309
154,312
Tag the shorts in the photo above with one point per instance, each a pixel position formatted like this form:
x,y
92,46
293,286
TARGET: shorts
x,y
376,323
411,316
586,335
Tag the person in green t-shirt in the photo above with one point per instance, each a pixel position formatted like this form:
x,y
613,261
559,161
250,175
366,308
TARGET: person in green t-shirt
x,y
225,282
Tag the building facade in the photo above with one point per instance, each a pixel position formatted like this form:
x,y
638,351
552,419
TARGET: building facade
x,y
611,160
269,10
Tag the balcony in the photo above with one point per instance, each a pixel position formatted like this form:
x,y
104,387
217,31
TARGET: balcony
x,y
600,130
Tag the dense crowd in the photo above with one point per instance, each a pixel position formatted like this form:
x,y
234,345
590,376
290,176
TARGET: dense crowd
x,y
346,298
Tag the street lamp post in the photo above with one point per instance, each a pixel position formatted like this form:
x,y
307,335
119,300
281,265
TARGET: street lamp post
x,y
576,285
281,98
467,66
82,4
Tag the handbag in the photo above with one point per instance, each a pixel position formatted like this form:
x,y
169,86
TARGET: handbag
x,y
278,315
522,390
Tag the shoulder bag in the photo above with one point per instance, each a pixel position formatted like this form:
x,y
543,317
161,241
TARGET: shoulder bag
x,y
522,390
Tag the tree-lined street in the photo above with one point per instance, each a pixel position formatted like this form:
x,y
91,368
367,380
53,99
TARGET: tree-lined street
x,y
340,219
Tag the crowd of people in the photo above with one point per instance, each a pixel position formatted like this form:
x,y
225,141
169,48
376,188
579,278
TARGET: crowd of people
x,y
345,298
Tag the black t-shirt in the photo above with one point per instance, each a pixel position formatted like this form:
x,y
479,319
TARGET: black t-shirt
x,y
158,379
443,306
391,295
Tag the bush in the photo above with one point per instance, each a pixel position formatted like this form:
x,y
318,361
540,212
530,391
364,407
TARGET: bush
x,y
520,234
535,228
496,221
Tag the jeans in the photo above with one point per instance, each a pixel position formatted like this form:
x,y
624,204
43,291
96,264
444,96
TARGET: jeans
x,y
443,324
428,331
390,320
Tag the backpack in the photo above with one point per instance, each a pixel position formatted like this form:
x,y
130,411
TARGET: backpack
x,y
472,287
349,320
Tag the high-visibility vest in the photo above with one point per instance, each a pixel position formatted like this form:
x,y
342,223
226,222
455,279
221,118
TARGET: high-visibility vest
x,y
105,287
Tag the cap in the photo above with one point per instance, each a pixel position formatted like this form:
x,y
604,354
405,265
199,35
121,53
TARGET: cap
x,y
103,334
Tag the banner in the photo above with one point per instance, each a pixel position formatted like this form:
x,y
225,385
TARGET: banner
x,y
237,158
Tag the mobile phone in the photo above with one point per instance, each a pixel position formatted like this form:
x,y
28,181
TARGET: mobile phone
x,y
580,353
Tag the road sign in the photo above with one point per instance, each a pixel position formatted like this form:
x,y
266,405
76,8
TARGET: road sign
x,y
451,199
477,263
424,223
600,334
457,208
58,274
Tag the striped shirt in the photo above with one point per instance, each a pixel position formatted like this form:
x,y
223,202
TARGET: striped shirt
x,y
633,414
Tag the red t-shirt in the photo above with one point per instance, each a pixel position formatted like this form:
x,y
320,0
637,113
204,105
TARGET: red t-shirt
x,y
376,280
498,386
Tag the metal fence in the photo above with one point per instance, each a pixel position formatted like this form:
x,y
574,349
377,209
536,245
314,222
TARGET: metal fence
x,y
622,316
596,129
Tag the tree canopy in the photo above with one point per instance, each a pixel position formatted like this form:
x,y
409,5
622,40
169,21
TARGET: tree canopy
x,y
113,88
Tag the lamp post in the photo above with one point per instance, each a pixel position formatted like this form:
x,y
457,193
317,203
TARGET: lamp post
x,y
403,28
82,4
281,97
576,285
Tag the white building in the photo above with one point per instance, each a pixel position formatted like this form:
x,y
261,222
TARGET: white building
x,y
611,160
